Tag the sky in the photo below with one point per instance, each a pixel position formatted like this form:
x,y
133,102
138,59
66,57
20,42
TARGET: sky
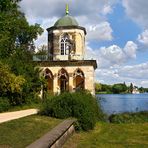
x,y
117,34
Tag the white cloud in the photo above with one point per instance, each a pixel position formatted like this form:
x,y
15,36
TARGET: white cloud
x,y
99,32
139,71
136,74
130,49
42,40
95,55
42,9
112,55
144,83
107,9
137,11
111,65
143,37
93,16
88,14
47,9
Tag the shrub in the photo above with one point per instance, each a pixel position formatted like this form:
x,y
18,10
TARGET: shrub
x,y
138,117
81,105
4,104
32,98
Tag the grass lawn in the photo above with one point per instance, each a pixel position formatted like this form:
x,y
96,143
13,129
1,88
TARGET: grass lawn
x,y
22,132
107,135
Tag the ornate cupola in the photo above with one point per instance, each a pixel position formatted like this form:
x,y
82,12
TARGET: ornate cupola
x,y
67,20
66,39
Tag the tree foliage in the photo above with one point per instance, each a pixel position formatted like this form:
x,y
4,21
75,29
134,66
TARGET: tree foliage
x,y
42,50
15,31
119,88
116,88
9,82
19,79
103,88
98,87
11,86
81,105
131,88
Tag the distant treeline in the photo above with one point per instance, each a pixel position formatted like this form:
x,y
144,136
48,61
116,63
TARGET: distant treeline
x,y
118,88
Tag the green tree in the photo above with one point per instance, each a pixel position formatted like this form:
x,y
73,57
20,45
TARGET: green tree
x,y
106,88
17,47
42,50
119,88
98,87
11,85
131,88
141,89
15,31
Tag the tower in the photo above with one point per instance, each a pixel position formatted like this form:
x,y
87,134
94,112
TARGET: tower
x,y
65,68
66,39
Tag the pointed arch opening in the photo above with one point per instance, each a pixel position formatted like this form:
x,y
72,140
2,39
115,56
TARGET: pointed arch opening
x,y
49,77
79,80
63,80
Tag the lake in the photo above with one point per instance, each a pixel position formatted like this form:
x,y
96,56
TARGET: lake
x,y
118,103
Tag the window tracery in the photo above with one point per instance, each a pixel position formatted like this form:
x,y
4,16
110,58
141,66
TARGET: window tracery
x,y
65,45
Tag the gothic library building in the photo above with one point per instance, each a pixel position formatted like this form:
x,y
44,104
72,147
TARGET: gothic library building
x,y
65,67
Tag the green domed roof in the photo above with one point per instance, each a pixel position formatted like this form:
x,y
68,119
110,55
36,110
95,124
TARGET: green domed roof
x,y
66,21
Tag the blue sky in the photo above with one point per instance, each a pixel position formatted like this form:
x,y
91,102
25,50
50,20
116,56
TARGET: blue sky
x,y
117,34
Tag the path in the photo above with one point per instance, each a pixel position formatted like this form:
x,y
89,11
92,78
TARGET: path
x,y
4,117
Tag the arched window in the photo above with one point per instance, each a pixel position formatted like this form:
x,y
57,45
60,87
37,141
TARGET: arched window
x,y
49,77
63,80
65,45
79,80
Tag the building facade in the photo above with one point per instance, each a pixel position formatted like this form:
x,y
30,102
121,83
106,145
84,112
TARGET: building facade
x,y
65,67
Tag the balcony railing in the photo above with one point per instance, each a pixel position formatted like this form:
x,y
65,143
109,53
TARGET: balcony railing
x,y
40,57
56,57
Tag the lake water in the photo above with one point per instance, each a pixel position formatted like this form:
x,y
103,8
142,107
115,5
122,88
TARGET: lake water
x,y
118,103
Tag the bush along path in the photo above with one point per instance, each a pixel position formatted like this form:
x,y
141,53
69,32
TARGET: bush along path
x,y
80,105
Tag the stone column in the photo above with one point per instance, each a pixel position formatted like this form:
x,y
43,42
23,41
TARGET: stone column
x,y
71,83
89,80
56,88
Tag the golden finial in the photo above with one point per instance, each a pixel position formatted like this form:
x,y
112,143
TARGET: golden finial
x,y
67,9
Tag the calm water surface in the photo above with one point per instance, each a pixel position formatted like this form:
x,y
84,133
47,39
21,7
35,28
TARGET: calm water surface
x,y
117,103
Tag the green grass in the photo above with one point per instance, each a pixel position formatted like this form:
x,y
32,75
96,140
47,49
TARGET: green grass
x,y
138,117
108,135
22,132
